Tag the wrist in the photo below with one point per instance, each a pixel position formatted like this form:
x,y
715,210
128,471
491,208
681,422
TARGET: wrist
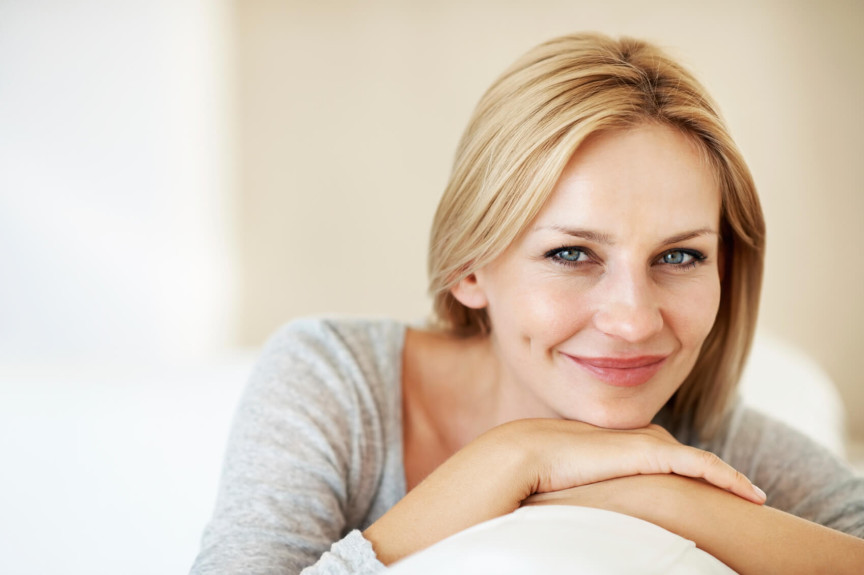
x,y
484,480
513,459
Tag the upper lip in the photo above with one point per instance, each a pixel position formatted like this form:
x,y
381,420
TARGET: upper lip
x,y
619,362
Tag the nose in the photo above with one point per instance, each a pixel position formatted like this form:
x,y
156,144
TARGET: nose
x,y
628,306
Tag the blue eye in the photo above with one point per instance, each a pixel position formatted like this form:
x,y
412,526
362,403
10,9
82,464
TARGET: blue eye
x,y
682,258
676,257
570,254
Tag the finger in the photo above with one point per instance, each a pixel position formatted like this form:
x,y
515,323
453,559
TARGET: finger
x,y
693,462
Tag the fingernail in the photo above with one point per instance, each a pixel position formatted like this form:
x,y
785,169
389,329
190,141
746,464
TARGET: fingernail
x,y
759,492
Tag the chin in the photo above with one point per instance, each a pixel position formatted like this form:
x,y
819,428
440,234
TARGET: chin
x,y
614,419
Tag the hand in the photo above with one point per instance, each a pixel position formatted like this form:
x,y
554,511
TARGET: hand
x,y
493,474
564,454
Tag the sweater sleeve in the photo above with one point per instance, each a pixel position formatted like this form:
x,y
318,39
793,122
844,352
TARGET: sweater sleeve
x,y
352,554
798,475
302,465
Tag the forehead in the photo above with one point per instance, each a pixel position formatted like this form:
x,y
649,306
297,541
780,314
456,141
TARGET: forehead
x,y
648,176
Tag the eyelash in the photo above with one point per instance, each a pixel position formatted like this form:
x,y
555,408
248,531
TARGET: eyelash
x,y
697,257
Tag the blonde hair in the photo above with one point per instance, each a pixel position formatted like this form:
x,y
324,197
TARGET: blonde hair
x,y
523,132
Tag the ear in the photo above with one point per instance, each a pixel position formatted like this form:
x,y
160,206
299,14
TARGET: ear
x,y
469,292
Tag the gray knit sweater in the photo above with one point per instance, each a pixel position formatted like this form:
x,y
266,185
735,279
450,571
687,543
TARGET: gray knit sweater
x,y
315,456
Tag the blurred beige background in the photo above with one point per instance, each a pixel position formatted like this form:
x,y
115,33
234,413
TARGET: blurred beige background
x,y
346,116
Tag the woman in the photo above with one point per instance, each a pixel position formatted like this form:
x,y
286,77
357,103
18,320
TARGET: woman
x,y
595,264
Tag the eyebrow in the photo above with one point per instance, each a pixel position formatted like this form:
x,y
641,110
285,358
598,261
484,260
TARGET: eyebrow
x,y
606,239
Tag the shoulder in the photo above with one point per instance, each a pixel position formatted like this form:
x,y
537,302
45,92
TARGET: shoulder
x,y
335,333
763,439
340,343
329,377
342,365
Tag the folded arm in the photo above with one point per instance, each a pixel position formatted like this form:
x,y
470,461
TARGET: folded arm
x,y
493,474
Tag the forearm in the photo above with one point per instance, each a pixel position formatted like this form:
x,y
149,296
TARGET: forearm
x,y
460,494
749,538
492,476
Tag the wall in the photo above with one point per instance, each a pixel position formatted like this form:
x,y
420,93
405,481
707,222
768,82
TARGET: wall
x,y
116,282
115,170
348,114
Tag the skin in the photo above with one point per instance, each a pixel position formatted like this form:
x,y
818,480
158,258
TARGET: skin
x,y
621,264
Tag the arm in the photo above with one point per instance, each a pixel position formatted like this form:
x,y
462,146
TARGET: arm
x,y
749,538
303,466
492,475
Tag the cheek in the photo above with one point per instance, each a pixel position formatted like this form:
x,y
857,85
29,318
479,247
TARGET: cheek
x,y
536,309
694,316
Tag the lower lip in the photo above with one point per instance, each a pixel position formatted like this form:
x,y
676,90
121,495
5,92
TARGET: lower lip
x,y
620,376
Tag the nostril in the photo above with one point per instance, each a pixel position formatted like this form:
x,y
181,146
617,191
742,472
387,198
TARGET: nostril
x,y
631,323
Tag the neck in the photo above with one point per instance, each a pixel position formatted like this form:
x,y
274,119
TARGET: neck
x,y
454,390
461,389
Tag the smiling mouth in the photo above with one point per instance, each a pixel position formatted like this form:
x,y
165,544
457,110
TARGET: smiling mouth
x,y
620,371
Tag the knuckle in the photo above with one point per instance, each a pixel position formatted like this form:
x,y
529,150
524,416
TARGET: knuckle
x,y
711,459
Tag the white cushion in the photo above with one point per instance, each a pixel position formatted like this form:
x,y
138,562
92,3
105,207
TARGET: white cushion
x,y
552,539
784,382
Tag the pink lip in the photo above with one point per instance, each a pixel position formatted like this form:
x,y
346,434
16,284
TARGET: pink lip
x,y
621,371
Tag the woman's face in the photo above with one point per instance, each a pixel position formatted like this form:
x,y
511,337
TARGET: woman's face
x,y
599,309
